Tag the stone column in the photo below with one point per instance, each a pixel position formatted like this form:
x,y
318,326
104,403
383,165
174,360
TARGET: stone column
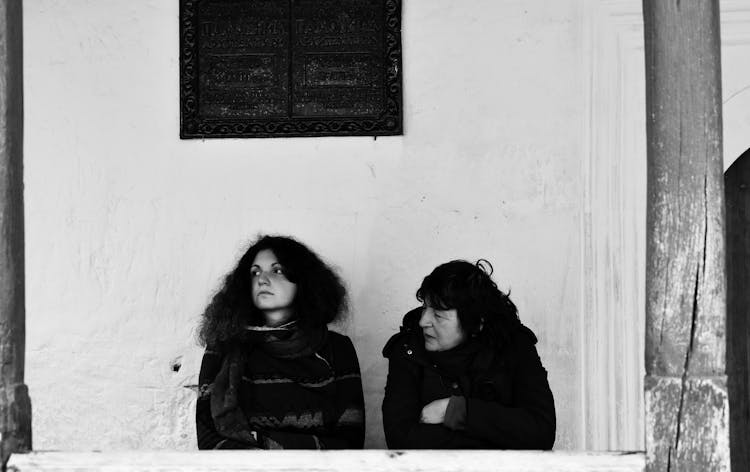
x,y
687,409
15,407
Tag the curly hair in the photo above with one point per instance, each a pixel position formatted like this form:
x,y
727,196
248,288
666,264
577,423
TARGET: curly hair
x,y
320,297
484,311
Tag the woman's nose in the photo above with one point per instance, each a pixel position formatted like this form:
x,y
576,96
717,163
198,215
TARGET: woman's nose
x,y
263,278
426,318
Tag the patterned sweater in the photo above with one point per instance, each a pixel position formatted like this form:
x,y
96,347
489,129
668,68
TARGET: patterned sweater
x,y
310,402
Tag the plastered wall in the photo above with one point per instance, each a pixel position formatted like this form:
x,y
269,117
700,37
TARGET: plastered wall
x,y
129,230
735,49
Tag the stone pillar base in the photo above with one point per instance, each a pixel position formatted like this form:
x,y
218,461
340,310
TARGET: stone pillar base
x,y
15,420
687,423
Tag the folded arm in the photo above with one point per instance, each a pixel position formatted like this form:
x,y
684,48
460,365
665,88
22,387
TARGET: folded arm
x,y
528,424
402,408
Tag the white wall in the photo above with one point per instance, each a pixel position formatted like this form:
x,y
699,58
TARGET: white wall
x,y
129,229
735,50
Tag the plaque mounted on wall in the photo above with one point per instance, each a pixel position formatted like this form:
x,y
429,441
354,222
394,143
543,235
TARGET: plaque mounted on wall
x,y
282,68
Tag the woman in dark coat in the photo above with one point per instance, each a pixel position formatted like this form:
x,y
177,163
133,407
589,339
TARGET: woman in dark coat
x,y
463,371
273,376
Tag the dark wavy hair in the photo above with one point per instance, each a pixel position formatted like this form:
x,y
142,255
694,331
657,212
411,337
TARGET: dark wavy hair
x,y
320,298
484,311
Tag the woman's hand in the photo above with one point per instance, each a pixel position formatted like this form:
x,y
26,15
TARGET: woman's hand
x,y
434,412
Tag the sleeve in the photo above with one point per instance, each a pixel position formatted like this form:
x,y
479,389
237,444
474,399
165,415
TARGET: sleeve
x,y
208,437
530,422
455,413
402,408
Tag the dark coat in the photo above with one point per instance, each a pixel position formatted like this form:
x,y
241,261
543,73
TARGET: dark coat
x,y
310,402
502,400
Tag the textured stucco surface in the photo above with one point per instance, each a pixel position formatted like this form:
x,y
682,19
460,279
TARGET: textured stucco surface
x,y
129,230
735,89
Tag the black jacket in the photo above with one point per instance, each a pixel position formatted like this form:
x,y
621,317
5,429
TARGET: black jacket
x,y
501,401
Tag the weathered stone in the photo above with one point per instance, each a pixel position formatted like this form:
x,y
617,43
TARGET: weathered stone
x,y
687,408
685,274
333,461
688,427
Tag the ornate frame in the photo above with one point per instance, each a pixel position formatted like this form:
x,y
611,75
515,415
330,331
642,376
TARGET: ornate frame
x,y
192,125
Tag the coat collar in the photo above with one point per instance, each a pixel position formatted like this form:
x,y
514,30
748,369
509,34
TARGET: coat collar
x,y
408,343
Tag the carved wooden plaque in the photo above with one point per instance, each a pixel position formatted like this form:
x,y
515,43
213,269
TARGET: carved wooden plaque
x,y
278,68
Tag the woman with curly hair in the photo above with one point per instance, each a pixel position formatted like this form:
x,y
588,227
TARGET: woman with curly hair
x,y
273,376
463,371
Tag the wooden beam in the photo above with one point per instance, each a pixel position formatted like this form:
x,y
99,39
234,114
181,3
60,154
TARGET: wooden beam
x,y
15,407
687,411
737,187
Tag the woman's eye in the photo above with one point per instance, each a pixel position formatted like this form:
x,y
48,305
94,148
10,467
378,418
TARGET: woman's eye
x,y
278,270
254,273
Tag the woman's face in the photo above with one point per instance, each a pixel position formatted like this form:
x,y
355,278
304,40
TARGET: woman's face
x,y
441,328
273,293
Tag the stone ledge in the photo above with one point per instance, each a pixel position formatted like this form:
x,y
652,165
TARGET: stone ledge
x,y
331,461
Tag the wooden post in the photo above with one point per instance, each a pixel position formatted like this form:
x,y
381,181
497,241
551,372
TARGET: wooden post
x,y
687,410
15,407
737,186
